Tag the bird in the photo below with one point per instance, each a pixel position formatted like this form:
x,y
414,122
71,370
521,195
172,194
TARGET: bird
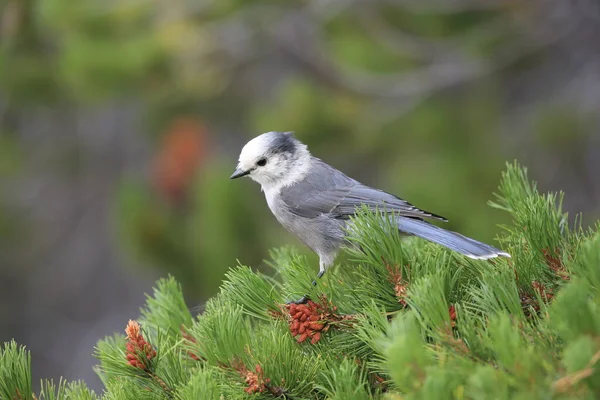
x,y
317,202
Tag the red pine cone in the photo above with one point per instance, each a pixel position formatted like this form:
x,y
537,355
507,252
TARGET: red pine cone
x,y
307,321
400,285
452,312
139,352
256,381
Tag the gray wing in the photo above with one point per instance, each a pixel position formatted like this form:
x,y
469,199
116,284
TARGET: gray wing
x,y
328,191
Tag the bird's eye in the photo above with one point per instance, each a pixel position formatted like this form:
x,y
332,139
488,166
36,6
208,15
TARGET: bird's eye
x,y
262,162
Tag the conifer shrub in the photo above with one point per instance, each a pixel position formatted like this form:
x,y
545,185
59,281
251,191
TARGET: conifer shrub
x,y
398,318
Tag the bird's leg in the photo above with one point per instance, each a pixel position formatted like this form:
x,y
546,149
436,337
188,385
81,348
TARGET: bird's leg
x,y
322,270
304,299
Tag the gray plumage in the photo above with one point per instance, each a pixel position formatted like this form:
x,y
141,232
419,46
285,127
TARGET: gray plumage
x,y
314,201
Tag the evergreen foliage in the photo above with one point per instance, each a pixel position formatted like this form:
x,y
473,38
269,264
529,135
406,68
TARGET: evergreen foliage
x,y
397,318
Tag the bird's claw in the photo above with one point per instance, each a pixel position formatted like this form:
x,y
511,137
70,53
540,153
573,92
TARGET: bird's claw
x,y
302,300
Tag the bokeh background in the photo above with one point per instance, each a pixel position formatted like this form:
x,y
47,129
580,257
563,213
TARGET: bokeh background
x,y
121,121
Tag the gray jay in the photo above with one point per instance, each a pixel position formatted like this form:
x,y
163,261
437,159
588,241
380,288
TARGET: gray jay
x,y
315,201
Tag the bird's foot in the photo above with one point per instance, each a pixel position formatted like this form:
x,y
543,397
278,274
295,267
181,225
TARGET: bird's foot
x,y
302,300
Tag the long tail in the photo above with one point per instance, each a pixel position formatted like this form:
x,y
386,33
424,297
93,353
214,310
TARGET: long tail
x,y
452,240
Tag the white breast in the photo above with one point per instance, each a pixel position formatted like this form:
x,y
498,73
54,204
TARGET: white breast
x,y
272,196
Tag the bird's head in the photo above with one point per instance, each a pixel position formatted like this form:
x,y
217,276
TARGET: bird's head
x,y
273,159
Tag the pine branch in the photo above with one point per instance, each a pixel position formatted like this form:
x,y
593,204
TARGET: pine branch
x,y
52,391
346,381
259,298
15,372
166,309
396,318
79,391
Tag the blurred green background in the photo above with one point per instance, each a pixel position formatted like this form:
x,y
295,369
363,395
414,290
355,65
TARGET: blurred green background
x,y
121,121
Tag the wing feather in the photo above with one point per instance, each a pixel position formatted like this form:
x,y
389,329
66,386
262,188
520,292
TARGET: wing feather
x,y
328,191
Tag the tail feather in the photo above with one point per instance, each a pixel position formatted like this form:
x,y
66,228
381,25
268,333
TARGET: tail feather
x,y
452,240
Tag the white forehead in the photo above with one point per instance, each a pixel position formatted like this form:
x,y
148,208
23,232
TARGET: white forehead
x,y
256,147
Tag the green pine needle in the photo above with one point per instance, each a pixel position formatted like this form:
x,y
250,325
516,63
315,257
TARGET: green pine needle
x,y
260,299
346,381
166,308
52,391
79,391
205,383
15,372
222,333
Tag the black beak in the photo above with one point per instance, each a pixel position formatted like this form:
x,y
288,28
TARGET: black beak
x,y
238,173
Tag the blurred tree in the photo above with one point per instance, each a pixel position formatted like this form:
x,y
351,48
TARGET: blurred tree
x,y
422,98
184,149
407,88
